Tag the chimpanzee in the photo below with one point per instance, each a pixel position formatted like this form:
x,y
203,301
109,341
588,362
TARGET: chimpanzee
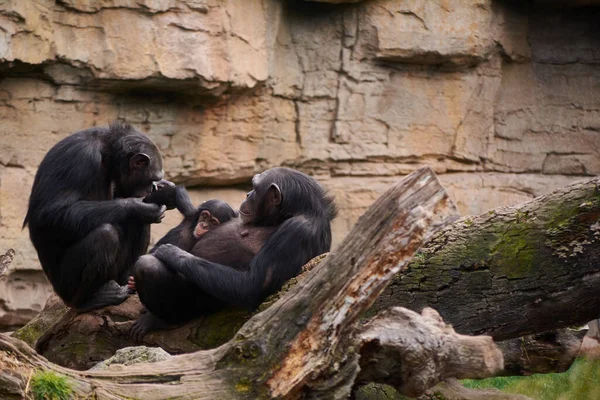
x,y
209,215
196,221
284,222
86,216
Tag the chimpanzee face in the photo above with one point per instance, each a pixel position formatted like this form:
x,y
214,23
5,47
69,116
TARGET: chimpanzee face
x,y
141,171
262,201
248,209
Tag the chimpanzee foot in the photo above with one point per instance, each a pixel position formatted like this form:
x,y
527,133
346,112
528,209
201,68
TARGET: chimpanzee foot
x,y
131,285
110,294
147,323
205,222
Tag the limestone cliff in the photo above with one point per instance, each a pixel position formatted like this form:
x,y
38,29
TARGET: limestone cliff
x,y
499,97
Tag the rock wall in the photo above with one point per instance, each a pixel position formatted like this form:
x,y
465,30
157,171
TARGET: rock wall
x,y
501,98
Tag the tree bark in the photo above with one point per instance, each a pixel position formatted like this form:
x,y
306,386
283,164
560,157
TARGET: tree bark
x,y
513,271
542,353
307,344
80,341
387,351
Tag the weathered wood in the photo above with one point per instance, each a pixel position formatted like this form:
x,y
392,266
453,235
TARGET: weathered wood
x,y
420,348
513,271
80,341
542,353
437,352
305,344
553,351
325,306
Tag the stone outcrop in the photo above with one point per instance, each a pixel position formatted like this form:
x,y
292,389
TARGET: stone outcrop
x,y
502,106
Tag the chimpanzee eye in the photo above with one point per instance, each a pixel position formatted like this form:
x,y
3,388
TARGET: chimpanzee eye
x,y
248,194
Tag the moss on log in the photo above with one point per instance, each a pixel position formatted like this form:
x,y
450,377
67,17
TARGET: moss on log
x,y
512,271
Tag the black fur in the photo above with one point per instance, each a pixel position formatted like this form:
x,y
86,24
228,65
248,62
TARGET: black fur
x,y
275,237
84,220
182,235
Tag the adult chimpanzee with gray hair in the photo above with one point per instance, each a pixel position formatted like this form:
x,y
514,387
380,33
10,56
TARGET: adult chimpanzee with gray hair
x,y
86,216
285,221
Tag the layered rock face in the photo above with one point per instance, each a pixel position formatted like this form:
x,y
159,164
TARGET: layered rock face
x,y
502,99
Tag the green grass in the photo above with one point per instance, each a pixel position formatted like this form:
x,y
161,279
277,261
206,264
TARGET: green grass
x,y
46,385
580,382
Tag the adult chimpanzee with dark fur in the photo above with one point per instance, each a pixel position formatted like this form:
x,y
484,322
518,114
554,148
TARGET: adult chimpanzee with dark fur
x,y
285,222
86,216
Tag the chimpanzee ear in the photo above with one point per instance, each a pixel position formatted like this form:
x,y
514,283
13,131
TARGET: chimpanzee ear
x,y
274,194
140,160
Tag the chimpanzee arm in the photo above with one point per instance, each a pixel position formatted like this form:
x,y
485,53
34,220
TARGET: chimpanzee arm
x,y
296,241
74,220
183,202
173,197
180,236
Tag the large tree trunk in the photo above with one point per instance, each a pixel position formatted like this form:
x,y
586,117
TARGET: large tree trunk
x,y
513,271
308,344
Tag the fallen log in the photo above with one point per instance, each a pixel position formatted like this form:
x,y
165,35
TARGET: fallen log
x,y
513,271
307,344
542,353
80,341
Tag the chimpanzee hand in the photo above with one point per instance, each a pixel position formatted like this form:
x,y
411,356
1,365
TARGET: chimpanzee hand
x,y
163,183
148,213
164,193
173,257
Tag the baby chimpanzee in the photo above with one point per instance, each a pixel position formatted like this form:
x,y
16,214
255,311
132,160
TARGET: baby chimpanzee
x,y
196,221
212,213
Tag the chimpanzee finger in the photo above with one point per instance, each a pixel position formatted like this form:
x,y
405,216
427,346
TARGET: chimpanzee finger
x,y
131,285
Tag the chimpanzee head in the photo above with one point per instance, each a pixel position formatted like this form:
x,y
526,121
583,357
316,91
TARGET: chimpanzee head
x,y
210,214
138,159
218,209
281,193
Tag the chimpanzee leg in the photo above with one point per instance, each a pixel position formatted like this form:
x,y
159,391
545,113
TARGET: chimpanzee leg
x,y
167,296
88,270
